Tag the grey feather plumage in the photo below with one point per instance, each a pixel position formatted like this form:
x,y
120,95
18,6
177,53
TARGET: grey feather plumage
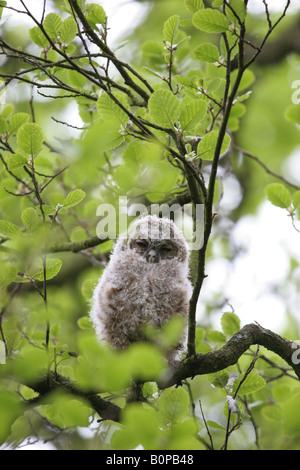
x,y
145,282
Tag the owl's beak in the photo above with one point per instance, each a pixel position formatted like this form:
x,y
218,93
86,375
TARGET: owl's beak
x,y
152,256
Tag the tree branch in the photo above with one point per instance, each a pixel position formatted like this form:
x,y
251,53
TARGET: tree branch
x,y
54,381
209,216
270,30
229,354
266,168
75,247
110,55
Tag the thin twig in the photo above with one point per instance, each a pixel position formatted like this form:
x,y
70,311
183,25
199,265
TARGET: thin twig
x,y
248,371
265,167
270,30
206,427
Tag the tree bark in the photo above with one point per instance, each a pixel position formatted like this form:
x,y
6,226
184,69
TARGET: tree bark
x,y
229,354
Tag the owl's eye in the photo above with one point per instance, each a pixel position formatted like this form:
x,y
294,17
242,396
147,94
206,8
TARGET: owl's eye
x,y
141,243
166,249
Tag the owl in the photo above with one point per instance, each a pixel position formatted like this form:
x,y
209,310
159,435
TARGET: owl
x,y
145,283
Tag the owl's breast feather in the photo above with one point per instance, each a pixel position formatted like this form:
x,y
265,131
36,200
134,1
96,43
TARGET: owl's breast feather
x,y
150,285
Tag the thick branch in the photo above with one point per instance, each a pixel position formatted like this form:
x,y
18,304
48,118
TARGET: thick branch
x,y
210,192
105,409
229,354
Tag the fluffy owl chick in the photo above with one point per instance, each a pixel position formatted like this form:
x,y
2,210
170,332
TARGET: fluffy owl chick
x,y
145,282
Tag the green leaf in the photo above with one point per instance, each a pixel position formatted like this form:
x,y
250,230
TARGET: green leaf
x,y
243,97
278,195
247,80
3,126
186,82
8,228
53,25
230,323
144,361
219,379
201,346
281,393
211,21
55,330
30,139
230,42
206,147
273,413
193,5
292,113
32,363
108,109
53,266
164,108
239,8
2,4
68,30
192,113
296,199
215,336
77,78
171,28
141,425
10,408
48,210
111,138
291,415
214,84
13,339
8,111
200,334
16,121
140,153
171,333
95,14
66,411
252,383
74,198
145,170
214,425
84,323
38,37
207,52
174,404
8,274
87,288
30,218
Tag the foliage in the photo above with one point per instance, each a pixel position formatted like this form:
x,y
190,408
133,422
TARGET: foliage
x,y
166,126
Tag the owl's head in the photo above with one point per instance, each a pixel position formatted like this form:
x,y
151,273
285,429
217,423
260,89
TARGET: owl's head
x,y
156,239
